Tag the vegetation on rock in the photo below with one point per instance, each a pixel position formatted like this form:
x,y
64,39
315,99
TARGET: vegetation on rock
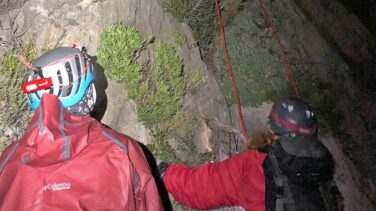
x,y
176,8
14,109
158,90
180,38
261,75
166,86
117,48
199,15
257,66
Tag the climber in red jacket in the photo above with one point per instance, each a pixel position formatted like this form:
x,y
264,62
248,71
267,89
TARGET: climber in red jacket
x,y
67,160
294,173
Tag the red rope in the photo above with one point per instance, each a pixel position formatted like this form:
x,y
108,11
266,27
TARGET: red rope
x,y
283,50
27,64
220,24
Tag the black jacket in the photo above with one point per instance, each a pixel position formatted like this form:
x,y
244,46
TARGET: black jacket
x,y
298,171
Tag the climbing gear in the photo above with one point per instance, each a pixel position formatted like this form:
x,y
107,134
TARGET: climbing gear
x,y
283,194
292,116
66,73
297,182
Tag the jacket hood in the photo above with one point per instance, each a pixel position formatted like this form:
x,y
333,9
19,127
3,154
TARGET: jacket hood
x,y
54,135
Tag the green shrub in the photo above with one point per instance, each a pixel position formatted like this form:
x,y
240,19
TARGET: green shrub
x,y
193,78
202,20
14,108
198,14
157,91
117,47
180,38
166,86
176,8
162,149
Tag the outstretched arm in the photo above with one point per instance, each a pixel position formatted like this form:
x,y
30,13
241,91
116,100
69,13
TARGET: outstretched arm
x,y
229,183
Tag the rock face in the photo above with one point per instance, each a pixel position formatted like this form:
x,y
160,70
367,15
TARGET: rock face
x,y
55,23
49,24
7,5
326,41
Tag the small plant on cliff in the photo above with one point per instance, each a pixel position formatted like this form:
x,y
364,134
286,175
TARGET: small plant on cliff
x,y
180,38
12,102
198,14
162,149
176,8
157,91
166,86
116,51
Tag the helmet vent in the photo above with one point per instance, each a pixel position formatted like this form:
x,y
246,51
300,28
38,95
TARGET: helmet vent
x,y
309,114
78,85
60,78
79,72
69,71
86,66
290,108
78,63
70,76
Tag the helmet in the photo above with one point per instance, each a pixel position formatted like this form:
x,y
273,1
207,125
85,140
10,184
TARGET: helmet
x,y
292,116
66,73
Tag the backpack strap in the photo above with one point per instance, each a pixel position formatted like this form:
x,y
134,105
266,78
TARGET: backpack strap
x,y
284,197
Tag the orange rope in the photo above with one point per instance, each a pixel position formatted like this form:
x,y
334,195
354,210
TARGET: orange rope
x,y
220,24
27,64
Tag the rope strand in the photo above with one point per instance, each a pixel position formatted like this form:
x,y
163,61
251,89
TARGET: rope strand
x,y
283,50
220,24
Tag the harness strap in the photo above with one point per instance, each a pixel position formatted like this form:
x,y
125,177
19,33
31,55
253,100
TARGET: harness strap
x,y
284,197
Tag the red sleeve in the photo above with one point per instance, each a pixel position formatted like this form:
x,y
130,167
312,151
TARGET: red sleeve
x,y
237,181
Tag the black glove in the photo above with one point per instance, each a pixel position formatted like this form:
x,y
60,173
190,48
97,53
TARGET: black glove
x,y
162,167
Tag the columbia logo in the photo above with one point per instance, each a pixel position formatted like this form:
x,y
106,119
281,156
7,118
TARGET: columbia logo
x,y
57,186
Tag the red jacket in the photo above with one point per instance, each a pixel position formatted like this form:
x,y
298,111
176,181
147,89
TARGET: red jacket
x,y
238,181
66,162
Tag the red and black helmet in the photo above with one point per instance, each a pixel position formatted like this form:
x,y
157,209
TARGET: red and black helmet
x,y
292,116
